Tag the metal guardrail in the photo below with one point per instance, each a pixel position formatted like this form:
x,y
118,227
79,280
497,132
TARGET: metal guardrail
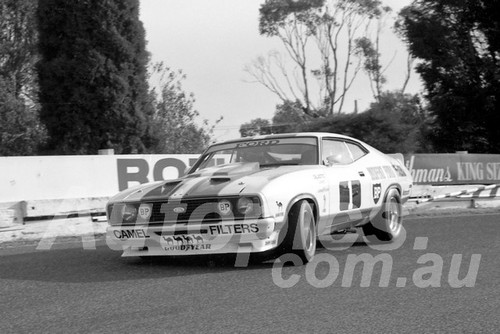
x,y
469,192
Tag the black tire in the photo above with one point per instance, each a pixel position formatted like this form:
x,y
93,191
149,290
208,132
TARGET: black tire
x,y
301,233
388,223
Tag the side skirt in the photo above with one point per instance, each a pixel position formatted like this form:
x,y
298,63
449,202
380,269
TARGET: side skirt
x,y
344,220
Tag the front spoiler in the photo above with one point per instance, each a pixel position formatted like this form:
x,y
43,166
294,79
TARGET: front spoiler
x,y
246,236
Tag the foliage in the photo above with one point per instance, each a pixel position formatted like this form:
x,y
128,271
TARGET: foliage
x,y
275,15
287,118
20,129
369,50
320,38
174,119
457,43
18,38
258,126
394,124
92,74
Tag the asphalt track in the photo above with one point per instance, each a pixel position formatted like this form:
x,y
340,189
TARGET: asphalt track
x,y
69,289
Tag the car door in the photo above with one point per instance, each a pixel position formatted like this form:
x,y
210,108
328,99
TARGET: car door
x,y
347,177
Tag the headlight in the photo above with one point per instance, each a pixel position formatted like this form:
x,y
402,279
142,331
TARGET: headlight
x,y
121,213
245,205
129,213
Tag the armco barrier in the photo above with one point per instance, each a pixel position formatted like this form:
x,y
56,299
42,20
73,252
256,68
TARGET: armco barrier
x,y
470,192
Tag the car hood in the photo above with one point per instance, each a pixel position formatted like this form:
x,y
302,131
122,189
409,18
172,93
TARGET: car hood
x,y
225,180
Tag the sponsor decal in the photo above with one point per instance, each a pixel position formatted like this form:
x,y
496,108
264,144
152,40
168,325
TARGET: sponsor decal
x,y
130,234
224,207
179,209
258,143
280,209
145,211
429,171
324,189
377,192
185,242
233,229
138,170
188,247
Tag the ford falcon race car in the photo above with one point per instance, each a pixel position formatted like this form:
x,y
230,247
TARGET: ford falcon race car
x,y
265,195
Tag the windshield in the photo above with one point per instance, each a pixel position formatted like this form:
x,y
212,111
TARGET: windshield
x,y
267,152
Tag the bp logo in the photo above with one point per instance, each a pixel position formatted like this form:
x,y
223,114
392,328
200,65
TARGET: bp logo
x,y
377,192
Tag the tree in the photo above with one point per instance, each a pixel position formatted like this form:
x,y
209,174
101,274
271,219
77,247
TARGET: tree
x,y
393,124
326,69
287,118
18,54
370,53
93,76
457,44
258,126
20,129
174,119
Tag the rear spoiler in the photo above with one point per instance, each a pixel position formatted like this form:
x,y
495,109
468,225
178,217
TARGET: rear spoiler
x,y
399,157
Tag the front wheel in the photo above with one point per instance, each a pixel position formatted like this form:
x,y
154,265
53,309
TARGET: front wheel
x,y
388,223
301,234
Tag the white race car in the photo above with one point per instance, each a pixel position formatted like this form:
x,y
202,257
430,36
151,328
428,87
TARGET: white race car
x,y
265,195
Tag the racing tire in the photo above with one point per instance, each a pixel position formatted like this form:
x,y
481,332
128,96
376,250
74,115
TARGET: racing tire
x,y
301,234
388,223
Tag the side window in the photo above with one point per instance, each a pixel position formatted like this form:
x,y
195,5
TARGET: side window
x,y
356,151
335,152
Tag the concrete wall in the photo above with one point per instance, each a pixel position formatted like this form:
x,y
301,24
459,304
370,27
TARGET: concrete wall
x,y
60,185
62,177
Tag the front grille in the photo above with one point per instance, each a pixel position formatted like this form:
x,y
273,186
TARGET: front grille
x,y
195,210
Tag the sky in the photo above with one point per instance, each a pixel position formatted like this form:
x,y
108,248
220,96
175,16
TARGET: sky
x,y
211,41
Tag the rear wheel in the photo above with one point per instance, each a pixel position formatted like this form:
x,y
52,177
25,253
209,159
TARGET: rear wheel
x,y
387,225
301,234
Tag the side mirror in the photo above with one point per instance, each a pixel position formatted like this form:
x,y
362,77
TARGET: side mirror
x,y
333,160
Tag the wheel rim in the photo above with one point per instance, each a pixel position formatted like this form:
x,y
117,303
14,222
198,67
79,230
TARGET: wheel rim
x,y
309,235
394,217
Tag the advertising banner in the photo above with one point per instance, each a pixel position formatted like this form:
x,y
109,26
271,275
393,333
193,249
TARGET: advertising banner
x,y
449,169
86,176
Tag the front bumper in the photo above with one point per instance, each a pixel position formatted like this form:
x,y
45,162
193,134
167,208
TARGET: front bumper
x,y
245,236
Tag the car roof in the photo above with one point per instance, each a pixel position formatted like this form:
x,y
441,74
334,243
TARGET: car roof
x,y
282,135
